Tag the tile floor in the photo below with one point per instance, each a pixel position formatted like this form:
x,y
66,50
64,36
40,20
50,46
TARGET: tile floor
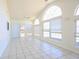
x,y
35,49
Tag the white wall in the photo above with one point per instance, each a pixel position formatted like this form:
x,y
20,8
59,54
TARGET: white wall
x,y
4,33
68,42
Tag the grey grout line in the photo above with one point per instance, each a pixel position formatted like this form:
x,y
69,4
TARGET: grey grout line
x,y
29,51
29,46
22,49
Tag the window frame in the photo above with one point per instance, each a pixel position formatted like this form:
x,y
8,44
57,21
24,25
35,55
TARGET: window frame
x,y
76,19
49,20
34,28
60,17
48,9
36,34
46,30
75,32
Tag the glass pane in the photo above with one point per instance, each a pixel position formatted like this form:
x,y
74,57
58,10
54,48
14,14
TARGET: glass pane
x,y
77,39
52,12
37,29
77,12
56,25
77,26
22,27
36,22
46,34
22,34
28,27
77,34
56,35
46,25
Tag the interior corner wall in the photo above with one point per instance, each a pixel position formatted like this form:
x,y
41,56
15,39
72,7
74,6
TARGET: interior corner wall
x,y
4,32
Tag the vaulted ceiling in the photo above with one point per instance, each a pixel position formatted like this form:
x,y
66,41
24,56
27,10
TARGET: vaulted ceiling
x,y
28,8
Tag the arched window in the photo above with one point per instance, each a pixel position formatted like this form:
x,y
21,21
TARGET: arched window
x,y
46,28
52,12
52,22
77,27
37,27
36,22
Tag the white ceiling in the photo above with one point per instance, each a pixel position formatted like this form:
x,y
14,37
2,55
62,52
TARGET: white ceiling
x,y
29,8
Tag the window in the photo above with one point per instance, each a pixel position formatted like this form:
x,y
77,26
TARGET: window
x,y
45,34
28,26
36,22
36,27
77,27
46,25
46,29
52,22
77,13
52,12
22,34
56,27
22,27
37,30
77,31
22,31
56,35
